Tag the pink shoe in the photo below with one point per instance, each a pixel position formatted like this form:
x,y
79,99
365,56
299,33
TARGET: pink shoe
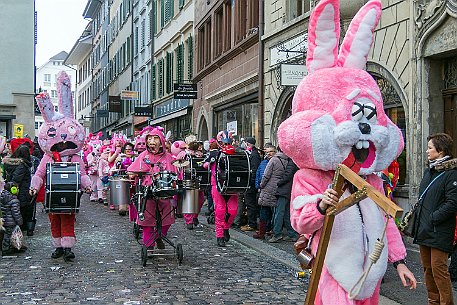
x,y
111,207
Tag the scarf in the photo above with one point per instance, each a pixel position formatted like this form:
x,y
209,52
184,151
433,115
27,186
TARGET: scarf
x,y
434,163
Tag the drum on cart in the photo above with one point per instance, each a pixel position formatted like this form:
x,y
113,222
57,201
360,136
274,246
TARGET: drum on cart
x,y
233,173
119,190
164,185
195,170
63,187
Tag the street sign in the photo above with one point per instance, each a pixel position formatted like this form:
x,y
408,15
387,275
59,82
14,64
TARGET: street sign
x,y
185,91
143,111
129,95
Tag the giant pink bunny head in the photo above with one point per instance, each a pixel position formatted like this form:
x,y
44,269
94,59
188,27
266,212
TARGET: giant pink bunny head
x,y
337,110
60,131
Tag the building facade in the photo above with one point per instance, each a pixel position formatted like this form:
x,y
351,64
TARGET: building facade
x,y
17,63
172,64
80,56
226,67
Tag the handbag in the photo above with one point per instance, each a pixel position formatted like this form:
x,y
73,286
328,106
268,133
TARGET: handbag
x,y
408,221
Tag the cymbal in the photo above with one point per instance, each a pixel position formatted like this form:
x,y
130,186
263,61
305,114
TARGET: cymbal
x,y
180,163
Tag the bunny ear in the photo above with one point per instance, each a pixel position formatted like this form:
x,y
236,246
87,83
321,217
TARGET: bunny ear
x,y
47,108
359,37
323,36
99,135
64,93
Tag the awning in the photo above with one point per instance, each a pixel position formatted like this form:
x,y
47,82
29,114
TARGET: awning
x,y
169,117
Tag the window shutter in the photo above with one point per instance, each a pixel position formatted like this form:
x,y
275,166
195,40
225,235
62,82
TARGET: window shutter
x,y
190,58
153,82
154,12
162,13
160,89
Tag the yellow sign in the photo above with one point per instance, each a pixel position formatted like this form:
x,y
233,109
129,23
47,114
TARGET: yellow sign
x,y
18,130
129,95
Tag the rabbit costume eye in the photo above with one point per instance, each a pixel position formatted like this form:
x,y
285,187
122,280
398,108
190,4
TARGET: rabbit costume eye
x,y
357,111
71,130
369,111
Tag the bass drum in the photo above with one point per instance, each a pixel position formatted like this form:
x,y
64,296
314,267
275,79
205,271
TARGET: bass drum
x,y
233,173
195,170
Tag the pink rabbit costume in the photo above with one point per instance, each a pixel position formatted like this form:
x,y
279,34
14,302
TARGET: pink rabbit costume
x,y
148,161
60,137
337,116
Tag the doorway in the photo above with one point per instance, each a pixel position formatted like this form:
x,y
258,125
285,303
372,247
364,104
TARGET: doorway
x,y
450,116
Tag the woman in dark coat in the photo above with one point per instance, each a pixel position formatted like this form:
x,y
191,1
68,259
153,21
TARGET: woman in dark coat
x,y
434,230
18,170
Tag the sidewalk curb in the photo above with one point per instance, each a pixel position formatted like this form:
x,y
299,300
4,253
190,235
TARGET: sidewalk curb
x,y
279,255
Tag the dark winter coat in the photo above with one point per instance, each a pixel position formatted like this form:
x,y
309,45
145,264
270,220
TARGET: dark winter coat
x,y
259,173
436,212
273,173
285,183
10,209
18,170
254,158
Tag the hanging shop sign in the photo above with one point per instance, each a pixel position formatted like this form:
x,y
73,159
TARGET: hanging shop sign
x,y
143,111
185,91
18,130
102,113
115,104
291,75
129,95
170,106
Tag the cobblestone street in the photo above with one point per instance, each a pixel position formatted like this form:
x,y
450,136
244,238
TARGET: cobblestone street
x,y
108,269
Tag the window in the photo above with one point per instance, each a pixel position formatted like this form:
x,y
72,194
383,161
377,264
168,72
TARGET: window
x,y
47,77
169,79
143,33
181,4
202,49
135,51
253,15
218,31
296,8
227,26
240,20
154,18
179,52
167,11
54,93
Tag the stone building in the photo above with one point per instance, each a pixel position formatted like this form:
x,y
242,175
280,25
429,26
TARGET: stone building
x,y
17,63
226,67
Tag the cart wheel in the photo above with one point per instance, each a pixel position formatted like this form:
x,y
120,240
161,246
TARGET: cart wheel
x,y
136,231
144,255
179,253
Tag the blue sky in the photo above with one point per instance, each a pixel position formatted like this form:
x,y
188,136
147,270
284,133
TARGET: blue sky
x,y
60,24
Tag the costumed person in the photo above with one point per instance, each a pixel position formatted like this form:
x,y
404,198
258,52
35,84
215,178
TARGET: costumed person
x,y
61,137
94,140
140,144
178,151
117,143
194,149
338,117
103,174
225,206
154,159
92,158
11,214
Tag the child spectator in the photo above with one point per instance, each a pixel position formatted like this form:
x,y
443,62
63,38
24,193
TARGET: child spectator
x,y
11,210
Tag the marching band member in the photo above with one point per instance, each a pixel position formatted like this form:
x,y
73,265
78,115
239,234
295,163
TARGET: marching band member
x,y
195,149
61,137
122,162
225,206
103,174
154,159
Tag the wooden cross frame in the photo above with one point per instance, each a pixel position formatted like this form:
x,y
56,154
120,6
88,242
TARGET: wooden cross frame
x,y
364,190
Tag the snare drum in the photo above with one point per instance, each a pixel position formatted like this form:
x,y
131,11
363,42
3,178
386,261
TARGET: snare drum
x,y
164,184
198,172
63,183
119,190
233,173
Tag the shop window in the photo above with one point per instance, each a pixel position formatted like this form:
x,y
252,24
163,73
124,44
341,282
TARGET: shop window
x,y
243,119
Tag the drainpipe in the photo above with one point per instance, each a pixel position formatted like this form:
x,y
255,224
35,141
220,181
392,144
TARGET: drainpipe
x,y
261,106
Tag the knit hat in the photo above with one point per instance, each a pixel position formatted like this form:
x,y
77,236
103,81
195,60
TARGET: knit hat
x,y
250,140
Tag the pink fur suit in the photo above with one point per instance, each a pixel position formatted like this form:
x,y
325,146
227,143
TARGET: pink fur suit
x,y
338,116
165,207
60,137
